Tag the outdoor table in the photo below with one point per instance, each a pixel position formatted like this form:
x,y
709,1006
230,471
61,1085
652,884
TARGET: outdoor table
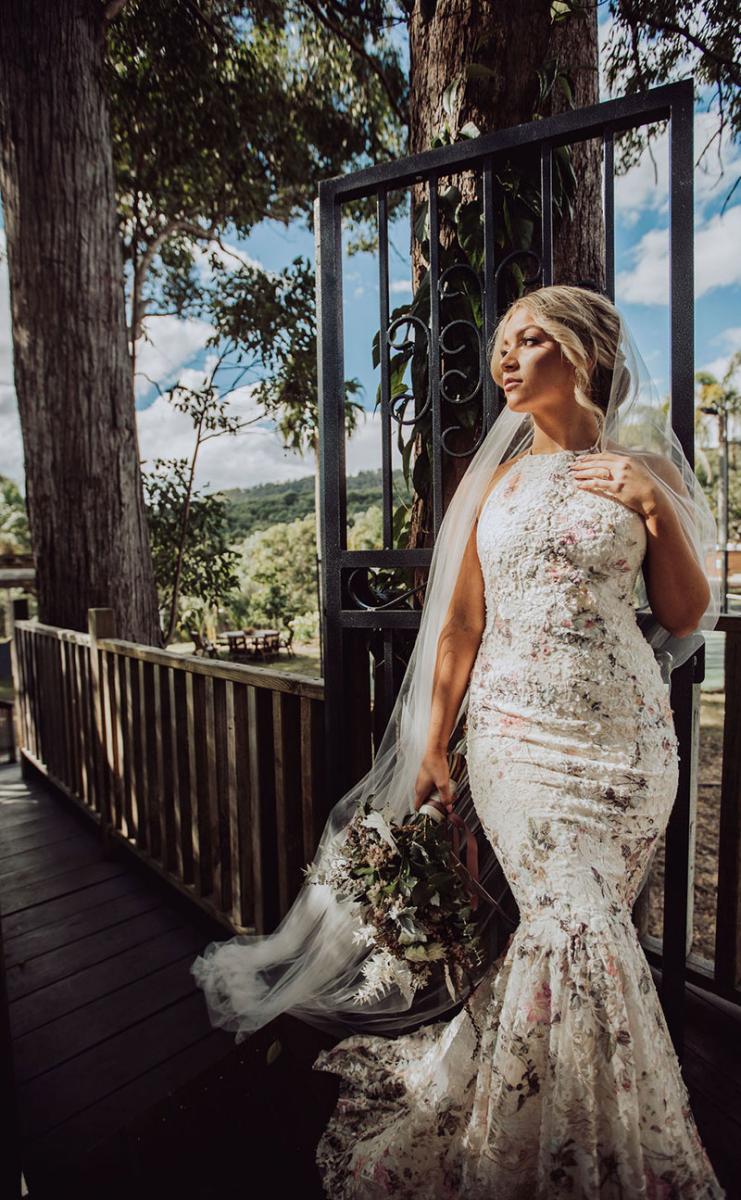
x,y
264,640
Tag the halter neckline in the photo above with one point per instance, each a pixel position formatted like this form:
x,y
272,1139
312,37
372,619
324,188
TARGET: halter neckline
x,y
553,453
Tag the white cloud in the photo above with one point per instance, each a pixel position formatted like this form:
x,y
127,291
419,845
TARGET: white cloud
x,y
730,337
400,285
253,456
228,255
363,449
174,344
647,280
645,188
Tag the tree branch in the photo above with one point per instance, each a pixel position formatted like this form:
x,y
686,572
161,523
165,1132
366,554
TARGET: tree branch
x,y
361,51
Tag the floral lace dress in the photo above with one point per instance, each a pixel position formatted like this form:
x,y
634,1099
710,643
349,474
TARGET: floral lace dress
x,y
558,1077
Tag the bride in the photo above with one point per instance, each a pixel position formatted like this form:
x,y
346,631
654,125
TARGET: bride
x,y
557,1075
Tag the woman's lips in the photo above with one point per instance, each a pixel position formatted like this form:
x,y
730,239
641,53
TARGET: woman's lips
x,y
511,383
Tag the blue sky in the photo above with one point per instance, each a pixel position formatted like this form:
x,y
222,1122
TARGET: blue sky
x,y
177,349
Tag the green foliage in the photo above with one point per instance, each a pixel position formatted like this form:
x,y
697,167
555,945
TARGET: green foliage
x,y
276,571
15,535
225,114
208,564
251,509
657,41
272,318
366,530
516,216
721,397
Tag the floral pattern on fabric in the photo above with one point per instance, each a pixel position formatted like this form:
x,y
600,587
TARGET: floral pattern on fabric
x,y
558,1077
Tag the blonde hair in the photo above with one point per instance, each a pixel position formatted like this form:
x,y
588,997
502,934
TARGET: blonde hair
x,y
586,325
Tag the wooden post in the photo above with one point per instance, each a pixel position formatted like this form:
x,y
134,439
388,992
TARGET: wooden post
x,y
18,612
100,625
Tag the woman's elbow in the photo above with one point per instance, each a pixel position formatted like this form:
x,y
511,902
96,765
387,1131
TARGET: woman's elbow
x,y
692,622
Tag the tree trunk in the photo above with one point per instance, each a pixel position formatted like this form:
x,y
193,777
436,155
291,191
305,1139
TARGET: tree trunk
x,y
72,366
514,42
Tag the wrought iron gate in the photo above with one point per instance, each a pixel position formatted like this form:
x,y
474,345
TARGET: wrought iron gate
x,y
352,622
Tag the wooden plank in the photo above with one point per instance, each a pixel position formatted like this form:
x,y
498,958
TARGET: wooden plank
x,y
59,908
55,965
69,635
72,722
189,793
181,773
48,833
218,815
167,818
112,737
79,1031
262,816
257,677
138,765
57,934
19,686
149,758
172,777
82,850
157,767
123,732
231,806
68,719
35,1010
73,1138
34,696
73,1086
314,800
246,853
59,885
90,795
199,793
289,816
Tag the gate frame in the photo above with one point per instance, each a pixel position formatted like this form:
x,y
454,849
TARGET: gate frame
x,y
347,758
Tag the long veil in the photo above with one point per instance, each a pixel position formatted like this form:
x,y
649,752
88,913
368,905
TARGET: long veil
x,y
311,965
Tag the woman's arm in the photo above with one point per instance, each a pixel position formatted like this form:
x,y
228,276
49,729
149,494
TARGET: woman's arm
x,y
457,647
676,585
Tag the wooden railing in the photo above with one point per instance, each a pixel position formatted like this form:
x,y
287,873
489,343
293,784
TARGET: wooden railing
x,y
210,771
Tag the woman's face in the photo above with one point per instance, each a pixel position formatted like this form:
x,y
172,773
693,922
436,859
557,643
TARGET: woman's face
x,y
535,374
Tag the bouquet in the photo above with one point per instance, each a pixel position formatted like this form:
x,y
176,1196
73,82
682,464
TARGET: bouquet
x,y
416,897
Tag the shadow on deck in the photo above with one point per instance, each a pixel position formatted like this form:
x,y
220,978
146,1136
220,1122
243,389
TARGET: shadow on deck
x,y
122,1086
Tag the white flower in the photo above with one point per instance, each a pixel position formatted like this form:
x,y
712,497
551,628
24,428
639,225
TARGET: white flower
x,y
376,820
364,935
381,971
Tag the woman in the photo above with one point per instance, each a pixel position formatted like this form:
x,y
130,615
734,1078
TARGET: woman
x,y
558,1076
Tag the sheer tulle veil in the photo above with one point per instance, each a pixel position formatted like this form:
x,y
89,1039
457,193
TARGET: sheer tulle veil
x,y
311,965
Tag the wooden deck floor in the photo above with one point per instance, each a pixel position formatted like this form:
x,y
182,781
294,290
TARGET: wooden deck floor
x,y
124,1089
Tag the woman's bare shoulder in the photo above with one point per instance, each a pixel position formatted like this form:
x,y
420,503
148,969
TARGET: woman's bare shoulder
x,y
501,470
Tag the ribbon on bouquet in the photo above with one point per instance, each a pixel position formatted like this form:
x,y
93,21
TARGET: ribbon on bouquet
x,y
472,850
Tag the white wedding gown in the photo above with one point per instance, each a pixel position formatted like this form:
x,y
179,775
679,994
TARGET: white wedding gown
x,y
558,1077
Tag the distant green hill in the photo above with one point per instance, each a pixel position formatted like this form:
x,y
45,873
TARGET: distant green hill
x,y
249,509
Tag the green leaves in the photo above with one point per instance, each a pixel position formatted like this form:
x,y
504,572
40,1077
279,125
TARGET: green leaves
x,y
208,564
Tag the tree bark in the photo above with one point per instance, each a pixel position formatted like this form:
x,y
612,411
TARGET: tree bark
x,y
514,41
72,367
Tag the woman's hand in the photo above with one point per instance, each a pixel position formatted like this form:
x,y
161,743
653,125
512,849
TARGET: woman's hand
x,y
630,484
433,773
